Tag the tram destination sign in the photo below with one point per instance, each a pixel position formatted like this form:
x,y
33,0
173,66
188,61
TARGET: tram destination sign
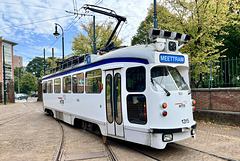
x,y
164,58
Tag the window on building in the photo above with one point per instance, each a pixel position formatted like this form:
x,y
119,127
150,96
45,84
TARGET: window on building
x,y
93,81
78,83
8,61
44,87
57,85
136,109
50,86
67,84
136,77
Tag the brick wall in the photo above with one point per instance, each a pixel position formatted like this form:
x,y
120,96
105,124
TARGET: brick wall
x,y
223,99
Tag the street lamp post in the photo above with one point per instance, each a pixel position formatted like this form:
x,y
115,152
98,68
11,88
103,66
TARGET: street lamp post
x,y
4,78
56,34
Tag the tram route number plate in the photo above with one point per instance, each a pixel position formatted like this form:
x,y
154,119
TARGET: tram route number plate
x,y
185,121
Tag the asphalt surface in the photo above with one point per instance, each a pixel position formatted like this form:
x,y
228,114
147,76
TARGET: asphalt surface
x,y
26,133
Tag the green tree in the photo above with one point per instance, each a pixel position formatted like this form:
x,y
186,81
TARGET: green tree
x,y
202,19
36,66
231,41
18,73
165,21
83,43
28,83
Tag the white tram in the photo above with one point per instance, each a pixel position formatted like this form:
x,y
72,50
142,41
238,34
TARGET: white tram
x,y
139,94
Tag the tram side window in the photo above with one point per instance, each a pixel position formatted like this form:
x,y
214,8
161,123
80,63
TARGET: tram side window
x,y
57,85
44,87
93,81
67,84
78,83
50,86
136,77
136,109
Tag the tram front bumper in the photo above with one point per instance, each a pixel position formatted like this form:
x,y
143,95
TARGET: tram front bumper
x,y
171,135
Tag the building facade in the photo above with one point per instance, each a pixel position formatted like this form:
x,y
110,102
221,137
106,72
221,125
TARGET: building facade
x,y
17,61
6,51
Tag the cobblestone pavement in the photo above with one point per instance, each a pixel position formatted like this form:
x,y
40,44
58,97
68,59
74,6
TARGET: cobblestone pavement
x,y
26,133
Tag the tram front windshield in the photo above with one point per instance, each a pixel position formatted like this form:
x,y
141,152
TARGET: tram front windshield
x,y
167,79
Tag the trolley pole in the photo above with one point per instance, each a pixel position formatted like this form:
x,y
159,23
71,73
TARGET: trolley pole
x,y
4,79
155,14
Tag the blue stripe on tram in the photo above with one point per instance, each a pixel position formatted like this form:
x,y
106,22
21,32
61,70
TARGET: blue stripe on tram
x,y
102,62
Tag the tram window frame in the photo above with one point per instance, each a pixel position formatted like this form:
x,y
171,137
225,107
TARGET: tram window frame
x,y
109,96
56,84
137,109
64,87
118,94
44,87
50,86
77,83
132,85
92,79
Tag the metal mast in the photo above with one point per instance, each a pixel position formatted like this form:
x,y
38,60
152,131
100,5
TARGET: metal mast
x,y
155,14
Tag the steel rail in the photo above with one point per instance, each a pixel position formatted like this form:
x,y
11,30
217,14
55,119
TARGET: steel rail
x,y
209,153
16,116
111,154
131,148
59,152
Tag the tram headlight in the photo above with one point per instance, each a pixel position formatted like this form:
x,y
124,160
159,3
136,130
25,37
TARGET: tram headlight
x,y
193,131
167,137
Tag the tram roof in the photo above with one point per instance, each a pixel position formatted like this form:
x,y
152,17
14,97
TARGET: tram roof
x,y
139,53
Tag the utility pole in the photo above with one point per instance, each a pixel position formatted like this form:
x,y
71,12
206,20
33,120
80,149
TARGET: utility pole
x,y
44,63
52,57
4,79
94,39
155,14
18,76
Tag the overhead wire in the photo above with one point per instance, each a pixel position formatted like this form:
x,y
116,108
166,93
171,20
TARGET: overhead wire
x,y
69,26
48,8
34,22
98,2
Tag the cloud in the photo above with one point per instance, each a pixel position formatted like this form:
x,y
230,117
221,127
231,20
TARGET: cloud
x,y
38,33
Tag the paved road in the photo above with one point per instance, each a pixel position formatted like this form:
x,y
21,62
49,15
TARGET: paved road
x,y
26,133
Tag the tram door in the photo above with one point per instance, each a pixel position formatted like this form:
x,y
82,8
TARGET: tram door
x,y
114,103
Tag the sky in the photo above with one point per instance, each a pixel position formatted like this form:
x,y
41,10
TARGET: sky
x,y
31,23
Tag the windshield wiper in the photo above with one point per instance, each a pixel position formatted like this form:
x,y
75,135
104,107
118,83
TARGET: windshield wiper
x,y
165,90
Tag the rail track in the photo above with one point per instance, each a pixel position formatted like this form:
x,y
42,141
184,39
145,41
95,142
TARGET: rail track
x,y
60,150
113,157
209,153
14,116
59,154
131,147
111,154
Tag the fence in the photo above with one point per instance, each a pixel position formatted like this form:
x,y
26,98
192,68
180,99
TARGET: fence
x,y
214,74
